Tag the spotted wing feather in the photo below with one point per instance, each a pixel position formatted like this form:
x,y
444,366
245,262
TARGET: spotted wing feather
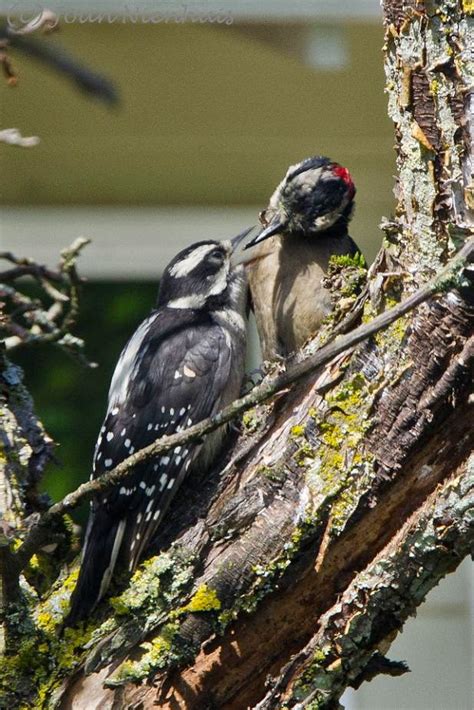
x,y
169,383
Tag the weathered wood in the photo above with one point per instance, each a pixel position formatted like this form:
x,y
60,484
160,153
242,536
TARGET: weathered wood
x,y
378,601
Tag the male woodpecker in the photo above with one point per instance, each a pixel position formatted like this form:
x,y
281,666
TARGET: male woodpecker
x,y
184,363
304,224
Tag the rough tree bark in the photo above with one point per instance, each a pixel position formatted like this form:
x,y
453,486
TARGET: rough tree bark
x,y
284,579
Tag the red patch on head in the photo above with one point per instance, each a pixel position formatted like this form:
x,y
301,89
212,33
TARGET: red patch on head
x,y
345,175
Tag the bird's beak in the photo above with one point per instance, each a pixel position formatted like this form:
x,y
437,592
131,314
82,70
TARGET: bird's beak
x,y
238,258
270,230
236,241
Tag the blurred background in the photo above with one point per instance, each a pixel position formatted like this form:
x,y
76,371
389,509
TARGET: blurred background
x,y
216,100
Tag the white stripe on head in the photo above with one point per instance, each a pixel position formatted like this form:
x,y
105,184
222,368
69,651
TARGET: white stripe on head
x,y
186,265
219,282
218,285
187,302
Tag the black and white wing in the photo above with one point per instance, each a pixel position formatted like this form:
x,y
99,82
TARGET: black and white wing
x,y
168,378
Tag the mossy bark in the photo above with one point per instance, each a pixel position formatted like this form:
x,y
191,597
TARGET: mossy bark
x,y
283,579
25,448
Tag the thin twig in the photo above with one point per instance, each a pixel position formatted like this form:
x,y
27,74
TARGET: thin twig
x,y
27,267
58,59
269,387
50,324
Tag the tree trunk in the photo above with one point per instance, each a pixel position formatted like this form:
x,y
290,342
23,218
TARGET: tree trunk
x,y
284,579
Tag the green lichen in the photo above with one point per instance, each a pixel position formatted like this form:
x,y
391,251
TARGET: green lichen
x,y
268,575
342,507
394,335
158,654
51,612
276,473
345,278
251,421
368,312
347,260
156,584
339,468
29,677
319,656
319,676
153,590
304,454
227,616
44,567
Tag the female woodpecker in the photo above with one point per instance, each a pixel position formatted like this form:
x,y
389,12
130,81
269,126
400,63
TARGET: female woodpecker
x,y
184,363
304,224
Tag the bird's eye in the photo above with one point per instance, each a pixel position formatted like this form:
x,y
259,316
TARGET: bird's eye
x,y
216,258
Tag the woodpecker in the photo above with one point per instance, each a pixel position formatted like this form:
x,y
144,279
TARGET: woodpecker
x,y
304,224
184,363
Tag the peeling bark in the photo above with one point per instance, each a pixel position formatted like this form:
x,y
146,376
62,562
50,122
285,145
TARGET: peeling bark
x,y
379,600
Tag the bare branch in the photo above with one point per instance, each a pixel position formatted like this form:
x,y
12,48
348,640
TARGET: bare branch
x,y
20,39
29,320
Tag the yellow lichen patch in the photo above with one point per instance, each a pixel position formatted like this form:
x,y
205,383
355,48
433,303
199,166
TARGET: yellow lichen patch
x,y
52,611
468,6
158,654
34,562
340,465
394,335
204,599
250,421
341,507
42,659
368,313
434,87
45,621
119,606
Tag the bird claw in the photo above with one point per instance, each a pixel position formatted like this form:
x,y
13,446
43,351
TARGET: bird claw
x,y
253,378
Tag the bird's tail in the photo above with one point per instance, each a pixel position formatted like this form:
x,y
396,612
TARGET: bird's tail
x,y
101,548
